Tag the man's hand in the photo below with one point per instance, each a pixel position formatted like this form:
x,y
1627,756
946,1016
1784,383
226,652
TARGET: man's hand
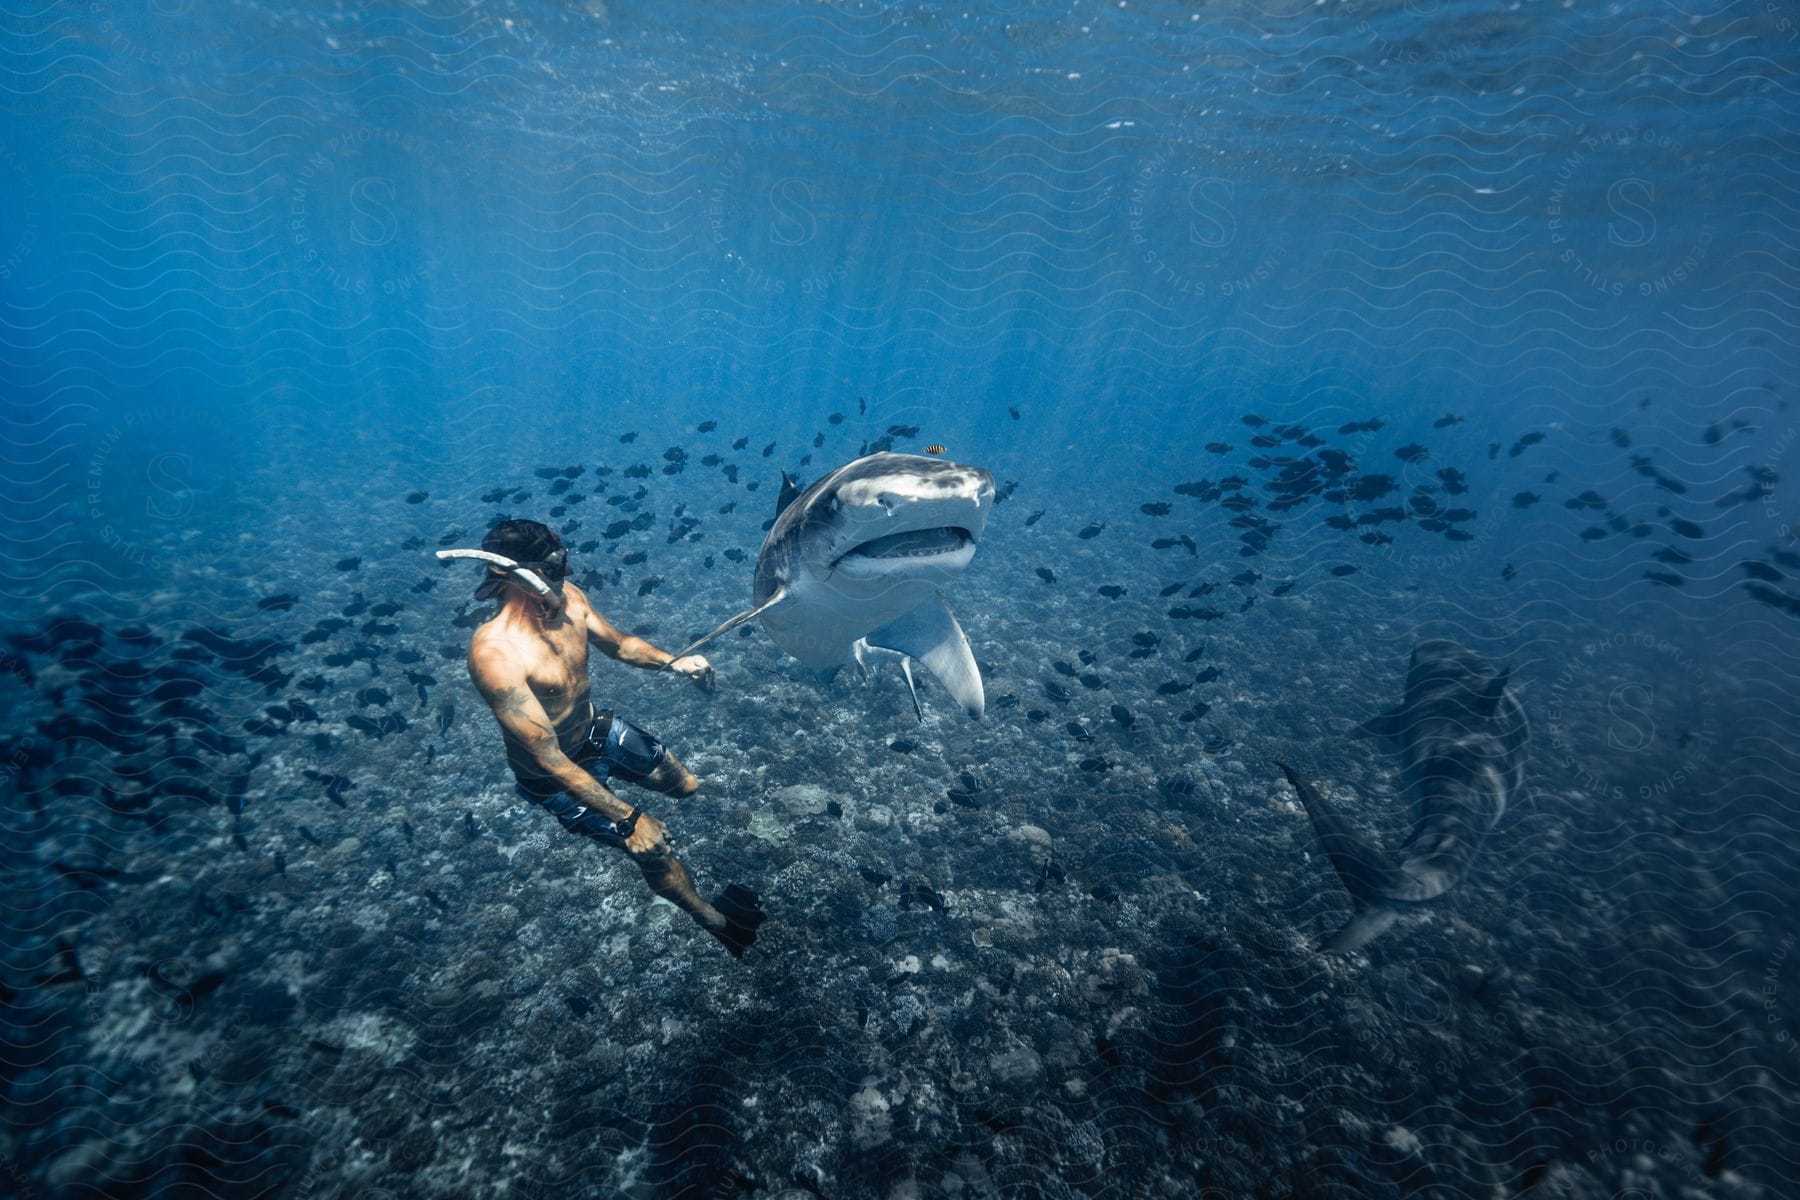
x,y
647,836
696,668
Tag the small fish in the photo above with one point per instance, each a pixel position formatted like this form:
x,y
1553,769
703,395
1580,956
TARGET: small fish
x,y
281,603
903,746
1012,411
1509,572
1254,421
1046,574
1665,578
706,427
935,448
1058,693
352,563
1078,731
1343,569
1412,452
1525,499
1523,444
1034,518
1446,421
1092,531
417,497
1111,591
628,438
1123,716
1158,509
1174,687
1095,765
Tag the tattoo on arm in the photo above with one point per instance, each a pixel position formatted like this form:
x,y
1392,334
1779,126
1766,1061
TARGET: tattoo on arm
x,y
521,714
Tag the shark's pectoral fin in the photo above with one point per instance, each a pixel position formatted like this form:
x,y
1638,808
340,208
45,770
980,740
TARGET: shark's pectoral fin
x,y
727,627
1387,725
930,634
1358,862
1362,929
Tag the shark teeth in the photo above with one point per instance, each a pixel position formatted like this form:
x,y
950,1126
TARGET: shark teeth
x,y
914,543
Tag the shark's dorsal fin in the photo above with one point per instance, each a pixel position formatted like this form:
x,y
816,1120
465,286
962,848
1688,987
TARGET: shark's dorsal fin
x,y
930,634
790,488
727,627
1489,703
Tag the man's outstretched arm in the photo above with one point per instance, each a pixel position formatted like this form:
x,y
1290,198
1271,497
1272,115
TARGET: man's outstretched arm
x,y
636,652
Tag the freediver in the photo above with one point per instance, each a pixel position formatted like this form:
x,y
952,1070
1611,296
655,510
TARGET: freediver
x,y
530,663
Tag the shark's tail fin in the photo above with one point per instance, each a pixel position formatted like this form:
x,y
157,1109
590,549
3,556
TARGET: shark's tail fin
x,y
1358,862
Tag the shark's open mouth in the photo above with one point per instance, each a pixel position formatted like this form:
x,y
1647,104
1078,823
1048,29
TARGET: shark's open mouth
x,y
914,543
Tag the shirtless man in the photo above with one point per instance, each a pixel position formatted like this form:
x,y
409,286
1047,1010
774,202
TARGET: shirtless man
x,y
530,662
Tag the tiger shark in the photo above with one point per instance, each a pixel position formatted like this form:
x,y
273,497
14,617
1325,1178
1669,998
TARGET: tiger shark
x,y
1462,737
850,568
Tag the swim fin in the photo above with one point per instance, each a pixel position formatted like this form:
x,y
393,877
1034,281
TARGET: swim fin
x,y
743,912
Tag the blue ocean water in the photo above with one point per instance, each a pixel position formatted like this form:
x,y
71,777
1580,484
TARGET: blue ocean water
x,y
1293,334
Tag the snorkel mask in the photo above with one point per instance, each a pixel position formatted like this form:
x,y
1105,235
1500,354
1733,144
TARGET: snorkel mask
x,y
542,578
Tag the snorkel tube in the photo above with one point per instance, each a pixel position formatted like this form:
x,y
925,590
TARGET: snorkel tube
x,y
550,597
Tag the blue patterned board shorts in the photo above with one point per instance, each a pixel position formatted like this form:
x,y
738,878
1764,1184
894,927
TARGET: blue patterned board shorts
x,y
612,747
